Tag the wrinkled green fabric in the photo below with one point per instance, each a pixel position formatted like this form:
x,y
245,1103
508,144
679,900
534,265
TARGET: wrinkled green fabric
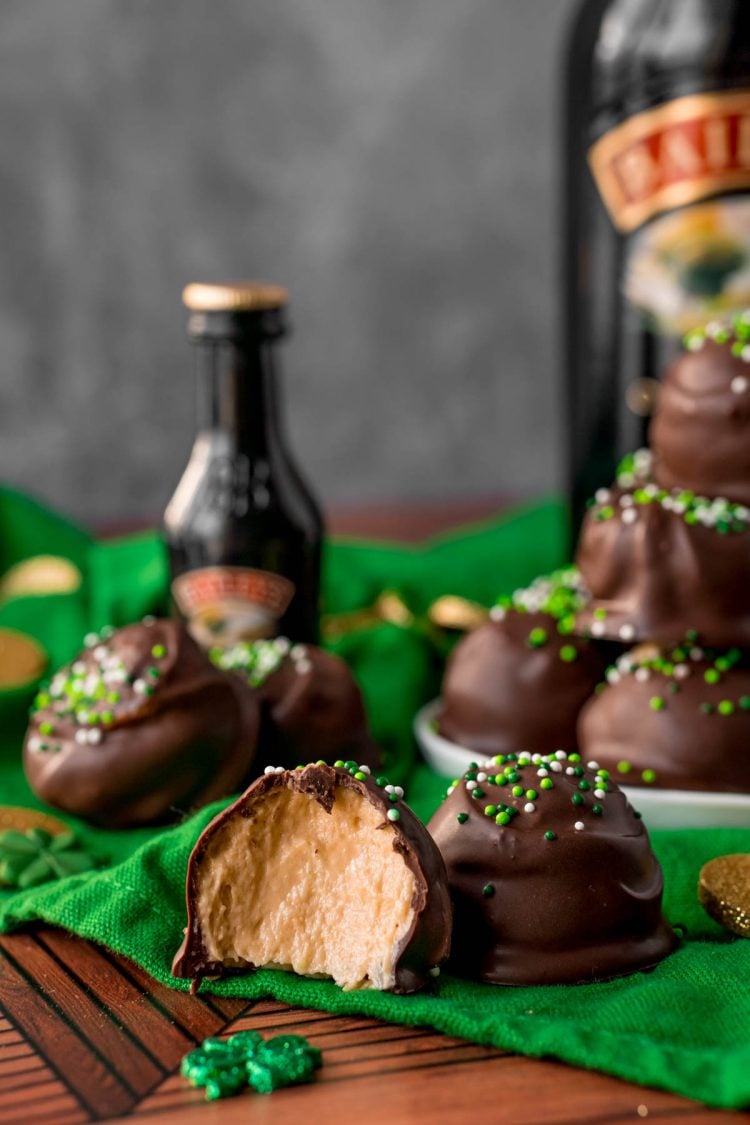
x,y
684,1027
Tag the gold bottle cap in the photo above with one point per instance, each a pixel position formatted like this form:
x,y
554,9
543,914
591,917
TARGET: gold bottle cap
x,y
234,296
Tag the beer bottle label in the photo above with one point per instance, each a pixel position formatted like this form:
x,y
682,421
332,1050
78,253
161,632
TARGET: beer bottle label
x,y
223,605
665,176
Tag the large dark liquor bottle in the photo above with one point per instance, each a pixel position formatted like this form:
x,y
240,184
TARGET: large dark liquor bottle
x,y
657,206
243,531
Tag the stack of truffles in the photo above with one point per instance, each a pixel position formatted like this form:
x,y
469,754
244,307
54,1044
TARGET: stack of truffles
x,y
658,609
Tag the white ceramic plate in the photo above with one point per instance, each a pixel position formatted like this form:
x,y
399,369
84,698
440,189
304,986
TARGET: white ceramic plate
x,y
661,808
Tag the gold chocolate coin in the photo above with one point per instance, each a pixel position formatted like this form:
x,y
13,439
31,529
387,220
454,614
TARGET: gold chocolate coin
x,y
724,892
21,820
452,612
40,575
22,659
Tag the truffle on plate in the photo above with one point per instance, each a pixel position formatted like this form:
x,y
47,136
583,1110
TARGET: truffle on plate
x,y
677,719
322,870
551,873
662,565
139,728
521,678
311,704
700,433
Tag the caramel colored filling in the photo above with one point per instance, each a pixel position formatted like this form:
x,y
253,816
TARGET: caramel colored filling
x,y
295,887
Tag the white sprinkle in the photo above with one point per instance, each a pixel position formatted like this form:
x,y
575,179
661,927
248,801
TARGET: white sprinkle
x,y
149,619
625,664
449,790
678,506
745,353
529,806
592,765
561,755
556,766
435,971
642,675
570,771
94,736
366,770
269,769
79,668
481,776
714,328
101,651
81,737
34,744
600,793
389,788
630,515
741,512
91,639
471,785
602,495
695,343
542,773
626,500
681,671
278,769
651,489
398,791
739,383
536,758
302,667
139,687
626,480
578,826
497,613
393,814
298,652
597,629
696,654
627,632
613,676
282,645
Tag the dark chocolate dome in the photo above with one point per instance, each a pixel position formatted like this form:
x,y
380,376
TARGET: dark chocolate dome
x,y
551,872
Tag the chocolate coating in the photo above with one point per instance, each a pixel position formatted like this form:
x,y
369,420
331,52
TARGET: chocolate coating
x,y
700,433
659,723
311,704
584,905
500,691
424,946
173,732
655,577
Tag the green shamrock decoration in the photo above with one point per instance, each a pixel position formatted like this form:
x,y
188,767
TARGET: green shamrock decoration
x,y
36,856
245,1059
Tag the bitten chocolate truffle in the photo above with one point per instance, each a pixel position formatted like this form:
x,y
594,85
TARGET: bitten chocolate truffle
x,y
675,719
140,728
311,705
551,873
322,870
521,678
662,565
700,433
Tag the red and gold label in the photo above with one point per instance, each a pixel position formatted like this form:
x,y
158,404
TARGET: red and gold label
x,y
226,604
678,153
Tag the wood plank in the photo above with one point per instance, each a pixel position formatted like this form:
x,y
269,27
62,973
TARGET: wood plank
x,y
69,1052
126,1056
55,1109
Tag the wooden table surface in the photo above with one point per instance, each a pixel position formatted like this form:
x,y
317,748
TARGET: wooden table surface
x,y
86,1035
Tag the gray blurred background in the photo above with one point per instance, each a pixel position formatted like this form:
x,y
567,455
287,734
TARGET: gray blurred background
x,y
394,164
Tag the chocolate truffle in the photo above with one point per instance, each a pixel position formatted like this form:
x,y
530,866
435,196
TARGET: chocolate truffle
x,y
141,727
700,433
322,870
521,678
675,719
551,873
661,565
311,705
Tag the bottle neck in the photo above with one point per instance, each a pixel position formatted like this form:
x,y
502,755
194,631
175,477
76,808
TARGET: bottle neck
x,y
237,392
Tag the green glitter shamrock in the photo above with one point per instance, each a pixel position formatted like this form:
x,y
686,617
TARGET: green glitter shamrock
x,y
36,856
224,1067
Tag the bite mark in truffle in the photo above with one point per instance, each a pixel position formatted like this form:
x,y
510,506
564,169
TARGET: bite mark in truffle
x,y
322,870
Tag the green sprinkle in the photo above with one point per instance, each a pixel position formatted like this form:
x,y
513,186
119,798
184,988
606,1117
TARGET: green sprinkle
x,y
359,776
153,673
584,785
477,792
577,799
503,818
46,728
624,767
158,651
339,765
462,817
707,708
726,707
490,810
550,835
657,703
744,702
711,676
574,757
393,814
597,810
488,890
531,794
517,790
568,653
648,776
351,765
537,637
107,717
547,783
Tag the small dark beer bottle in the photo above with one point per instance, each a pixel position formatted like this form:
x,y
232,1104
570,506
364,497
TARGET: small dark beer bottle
x,y
243,530
657,206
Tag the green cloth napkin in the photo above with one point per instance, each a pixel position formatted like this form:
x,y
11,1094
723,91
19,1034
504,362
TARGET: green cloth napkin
x,y
684,1027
